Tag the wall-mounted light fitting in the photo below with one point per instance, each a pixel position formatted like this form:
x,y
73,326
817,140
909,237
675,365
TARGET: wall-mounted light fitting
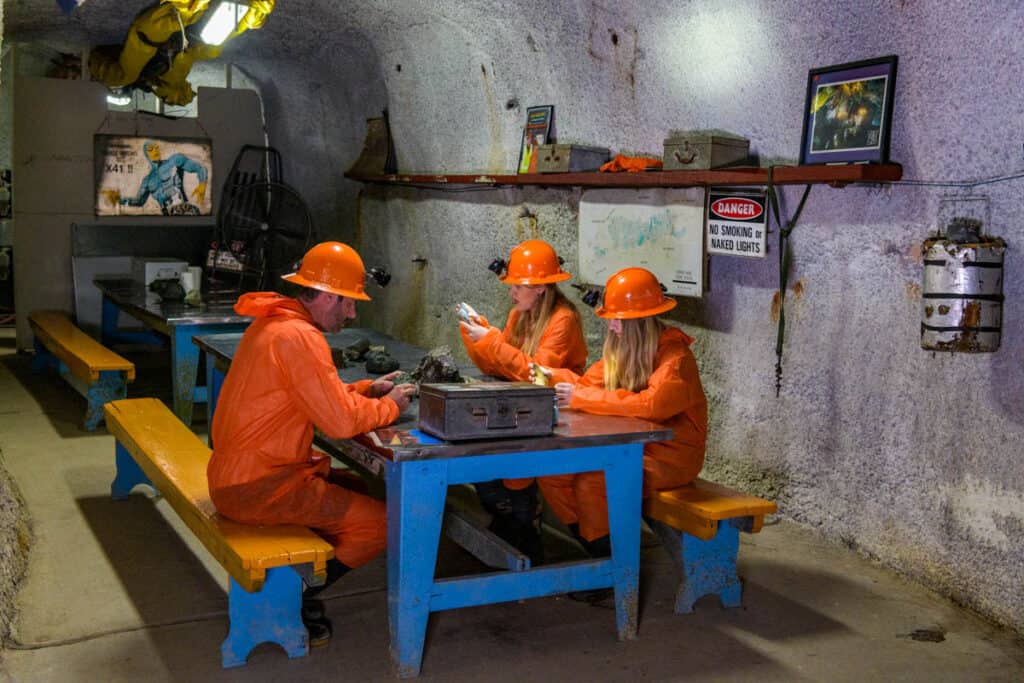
x,y
119,98
221,21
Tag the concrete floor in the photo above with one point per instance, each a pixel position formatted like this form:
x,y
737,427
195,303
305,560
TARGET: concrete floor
x,y
122,592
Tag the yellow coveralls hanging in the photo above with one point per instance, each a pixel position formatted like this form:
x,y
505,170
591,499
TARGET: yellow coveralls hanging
x,y
159,50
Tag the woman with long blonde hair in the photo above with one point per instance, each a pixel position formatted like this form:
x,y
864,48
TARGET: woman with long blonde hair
x,y
543,327
647,371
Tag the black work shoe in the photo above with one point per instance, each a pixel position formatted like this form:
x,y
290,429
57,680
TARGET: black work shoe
x,y
319,630
312,609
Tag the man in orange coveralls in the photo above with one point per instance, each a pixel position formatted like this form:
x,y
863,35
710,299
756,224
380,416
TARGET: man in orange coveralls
x,y
281,384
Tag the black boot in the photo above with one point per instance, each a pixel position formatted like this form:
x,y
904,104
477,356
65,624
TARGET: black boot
x,y
313,614
599,548
515,516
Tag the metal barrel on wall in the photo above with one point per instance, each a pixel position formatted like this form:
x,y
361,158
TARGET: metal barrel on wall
x,y
962,293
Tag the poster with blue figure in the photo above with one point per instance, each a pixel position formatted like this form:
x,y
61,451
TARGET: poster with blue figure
x,y
148,176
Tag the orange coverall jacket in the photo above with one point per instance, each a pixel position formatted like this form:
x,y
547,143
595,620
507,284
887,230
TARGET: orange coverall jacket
x,y
561,346
263,469
674,397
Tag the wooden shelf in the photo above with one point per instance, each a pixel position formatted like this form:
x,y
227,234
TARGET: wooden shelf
x,y
836,176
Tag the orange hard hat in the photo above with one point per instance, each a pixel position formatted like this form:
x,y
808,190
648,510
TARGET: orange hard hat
x,y
534,262
633,293
332,267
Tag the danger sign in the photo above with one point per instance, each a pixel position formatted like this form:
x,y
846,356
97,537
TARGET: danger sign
x,y
737,223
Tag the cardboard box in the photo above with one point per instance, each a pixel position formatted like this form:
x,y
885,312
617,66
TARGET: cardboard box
x,y
697,150
145,269
570,158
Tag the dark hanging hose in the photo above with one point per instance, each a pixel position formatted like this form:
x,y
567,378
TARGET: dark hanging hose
x,y
784,261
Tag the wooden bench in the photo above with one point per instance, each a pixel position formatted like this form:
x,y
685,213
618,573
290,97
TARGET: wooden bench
x,y
96,372
699,526
266,564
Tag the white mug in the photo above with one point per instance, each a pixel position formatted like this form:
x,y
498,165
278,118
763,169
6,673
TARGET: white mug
x,y
188,281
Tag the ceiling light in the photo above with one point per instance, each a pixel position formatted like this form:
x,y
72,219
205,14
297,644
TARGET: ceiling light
x,y
222,21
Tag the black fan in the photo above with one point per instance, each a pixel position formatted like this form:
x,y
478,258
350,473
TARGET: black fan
x,y
266,228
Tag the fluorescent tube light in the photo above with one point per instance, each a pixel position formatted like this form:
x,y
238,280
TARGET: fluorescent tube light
x,y
223,21
119,99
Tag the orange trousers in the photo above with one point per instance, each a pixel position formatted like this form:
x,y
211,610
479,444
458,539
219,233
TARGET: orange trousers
x,y
582,499
321,498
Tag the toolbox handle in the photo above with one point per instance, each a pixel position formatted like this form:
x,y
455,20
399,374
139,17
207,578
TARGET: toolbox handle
x,y
505,417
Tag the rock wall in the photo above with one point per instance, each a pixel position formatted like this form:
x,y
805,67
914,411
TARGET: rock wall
x,y
15,540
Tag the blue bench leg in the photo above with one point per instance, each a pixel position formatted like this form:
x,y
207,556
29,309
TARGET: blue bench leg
x,y
128,476
111,386
273,615
42,359
707,567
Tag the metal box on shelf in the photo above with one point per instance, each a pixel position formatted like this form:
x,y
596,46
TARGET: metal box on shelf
x,y
701,151
570,158
486,410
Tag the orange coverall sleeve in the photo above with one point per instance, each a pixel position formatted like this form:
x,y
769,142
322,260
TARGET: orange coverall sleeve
x,y
361,387
562,340
339,410
673,388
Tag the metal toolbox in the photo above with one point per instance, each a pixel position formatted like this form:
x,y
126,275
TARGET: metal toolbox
x,y
701,151
570,158
486,410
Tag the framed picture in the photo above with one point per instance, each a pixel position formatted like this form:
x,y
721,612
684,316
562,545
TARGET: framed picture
x,y
145,176
536,133
848,113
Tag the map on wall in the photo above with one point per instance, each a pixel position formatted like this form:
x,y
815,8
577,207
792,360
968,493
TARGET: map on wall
x,y
660,229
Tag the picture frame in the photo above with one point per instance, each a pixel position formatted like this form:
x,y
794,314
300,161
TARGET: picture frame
x,y
848,113
153,176
537,132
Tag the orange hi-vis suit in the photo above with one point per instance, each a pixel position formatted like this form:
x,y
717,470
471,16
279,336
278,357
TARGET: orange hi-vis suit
x,y
561,346
264,470
674,398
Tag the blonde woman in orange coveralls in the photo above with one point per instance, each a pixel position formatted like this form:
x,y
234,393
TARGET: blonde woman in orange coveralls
x,y
543,327
647,371
282,383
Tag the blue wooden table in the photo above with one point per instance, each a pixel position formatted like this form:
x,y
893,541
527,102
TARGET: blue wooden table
x,y
173,321
418,469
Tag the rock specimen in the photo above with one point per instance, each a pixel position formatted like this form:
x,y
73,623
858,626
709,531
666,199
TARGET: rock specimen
x,y
356,352
379,361
339,358
437,367
404,378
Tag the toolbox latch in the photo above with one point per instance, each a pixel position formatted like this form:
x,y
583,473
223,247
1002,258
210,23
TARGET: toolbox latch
x,y
503,416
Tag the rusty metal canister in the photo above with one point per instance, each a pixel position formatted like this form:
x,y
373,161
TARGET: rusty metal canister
x,y
962,294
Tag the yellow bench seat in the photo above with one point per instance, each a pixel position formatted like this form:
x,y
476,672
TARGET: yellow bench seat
x,y
698,507
174,459
699,527
267,564
85,357
93,370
